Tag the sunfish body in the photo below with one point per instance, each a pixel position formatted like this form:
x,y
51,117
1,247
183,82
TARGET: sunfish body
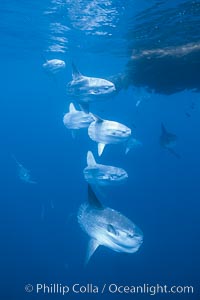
x,y
103,175
168,141
88,89
76,119
23,173
108,132
107,227
54,65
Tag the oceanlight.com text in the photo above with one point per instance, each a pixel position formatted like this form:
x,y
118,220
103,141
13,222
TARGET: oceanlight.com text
x,y
111,288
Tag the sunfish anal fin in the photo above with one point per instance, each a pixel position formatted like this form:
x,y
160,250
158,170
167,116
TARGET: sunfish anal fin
x,y
100,148
92,246
174,153
84,106
92,199
73,132
90,159
128,145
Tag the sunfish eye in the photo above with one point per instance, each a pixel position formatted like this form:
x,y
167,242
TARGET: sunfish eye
x,y
95,91
112,230
130,235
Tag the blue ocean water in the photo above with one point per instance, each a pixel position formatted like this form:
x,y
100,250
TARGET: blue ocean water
x,y
41,239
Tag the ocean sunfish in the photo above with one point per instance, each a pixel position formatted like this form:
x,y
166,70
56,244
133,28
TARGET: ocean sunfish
x,y
88,89
23,173
107,227
108,132
54,65
77,119
132,144
103,175
168,141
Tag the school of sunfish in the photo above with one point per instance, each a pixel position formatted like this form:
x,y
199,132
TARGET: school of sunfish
x,y
103,225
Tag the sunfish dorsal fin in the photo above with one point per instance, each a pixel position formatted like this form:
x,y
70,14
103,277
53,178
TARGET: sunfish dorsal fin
x,y
44,58
97,118
92,199
75,72
100,148
72,108
164,131
90,159
92,246
170,136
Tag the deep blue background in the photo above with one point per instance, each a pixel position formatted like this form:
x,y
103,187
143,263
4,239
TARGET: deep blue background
x,y
41,240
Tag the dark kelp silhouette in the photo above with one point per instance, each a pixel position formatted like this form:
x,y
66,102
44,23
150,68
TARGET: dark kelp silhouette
x,y
164,49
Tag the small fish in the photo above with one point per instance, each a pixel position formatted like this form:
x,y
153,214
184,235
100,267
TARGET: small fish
x,y
23,173
138,103
132,144
54,65
168,141
108,132
88,89
76,119
107,227
188,114
103,175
